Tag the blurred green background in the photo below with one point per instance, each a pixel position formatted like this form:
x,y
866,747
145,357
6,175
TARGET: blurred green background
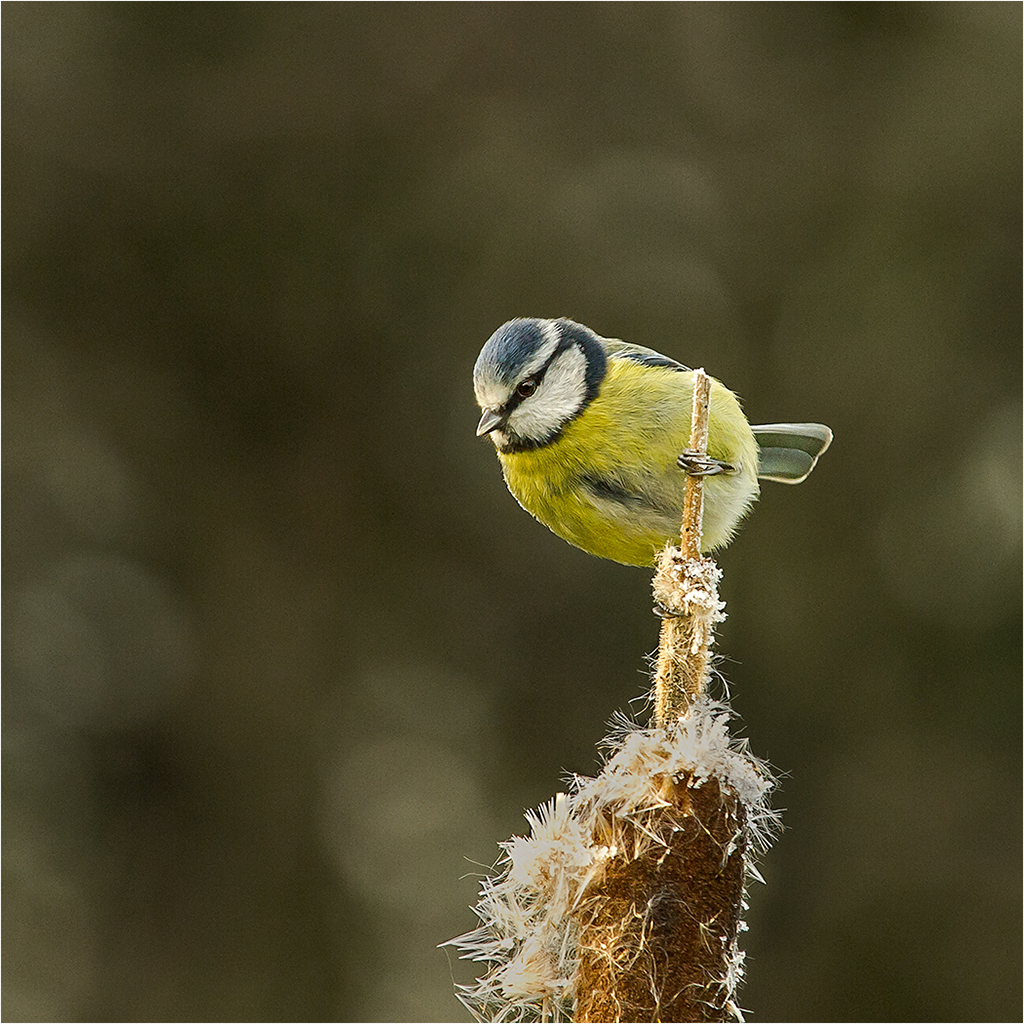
x,y
284,661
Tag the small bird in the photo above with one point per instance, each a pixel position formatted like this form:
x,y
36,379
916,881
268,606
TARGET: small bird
x,y
592,436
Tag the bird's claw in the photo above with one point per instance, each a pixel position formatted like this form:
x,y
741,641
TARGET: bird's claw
x,y
697,464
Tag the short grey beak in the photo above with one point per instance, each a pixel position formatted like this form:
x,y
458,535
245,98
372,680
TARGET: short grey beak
x,y
491,419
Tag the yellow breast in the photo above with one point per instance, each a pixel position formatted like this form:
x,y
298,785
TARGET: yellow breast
x,y
610,483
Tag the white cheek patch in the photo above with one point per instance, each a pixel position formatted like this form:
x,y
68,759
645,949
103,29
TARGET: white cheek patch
x,y
561,394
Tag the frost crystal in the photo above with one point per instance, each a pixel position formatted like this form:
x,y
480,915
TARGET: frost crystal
x,y
528,933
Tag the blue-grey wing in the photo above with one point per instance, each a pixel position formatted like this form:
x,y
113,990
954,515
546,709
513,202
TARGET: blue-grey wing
x,y
620,350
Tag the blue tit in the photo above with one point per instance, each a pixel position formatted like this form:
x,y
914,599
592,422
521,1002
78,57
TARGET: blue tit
x,y
591,434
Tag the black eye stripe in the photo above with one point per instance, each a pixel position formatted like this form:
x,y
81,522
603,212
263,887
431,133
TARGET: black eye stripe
x,y
537,376
517,397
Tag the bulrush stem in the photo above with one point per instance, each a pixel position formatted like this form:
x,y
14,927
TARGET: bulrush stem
x,y
661,944
693,499
685,587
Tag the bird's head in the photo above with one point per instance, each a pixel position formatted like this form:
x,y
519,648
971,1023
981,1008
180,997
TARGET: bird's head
x,y
533,377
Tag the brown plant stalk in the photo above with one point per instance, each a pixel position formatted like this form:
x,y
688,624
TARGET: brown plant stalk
x,y
685,589
660,941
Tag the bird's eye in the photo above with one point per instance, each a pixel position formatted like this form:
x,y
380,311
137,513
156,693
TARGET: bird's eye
x,y
527,387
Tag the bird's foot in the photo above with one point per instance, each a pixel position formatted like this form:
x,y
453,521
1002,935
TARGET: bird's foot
x,y
697,464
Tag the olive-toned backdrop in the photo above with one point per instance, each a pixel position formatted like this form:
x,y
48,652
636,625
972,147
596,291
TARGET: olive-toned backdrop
x,y
284,662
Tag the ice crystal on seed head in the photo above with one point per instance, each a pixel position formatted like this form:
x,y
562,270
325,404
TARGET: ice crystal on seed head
x,y
557,848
